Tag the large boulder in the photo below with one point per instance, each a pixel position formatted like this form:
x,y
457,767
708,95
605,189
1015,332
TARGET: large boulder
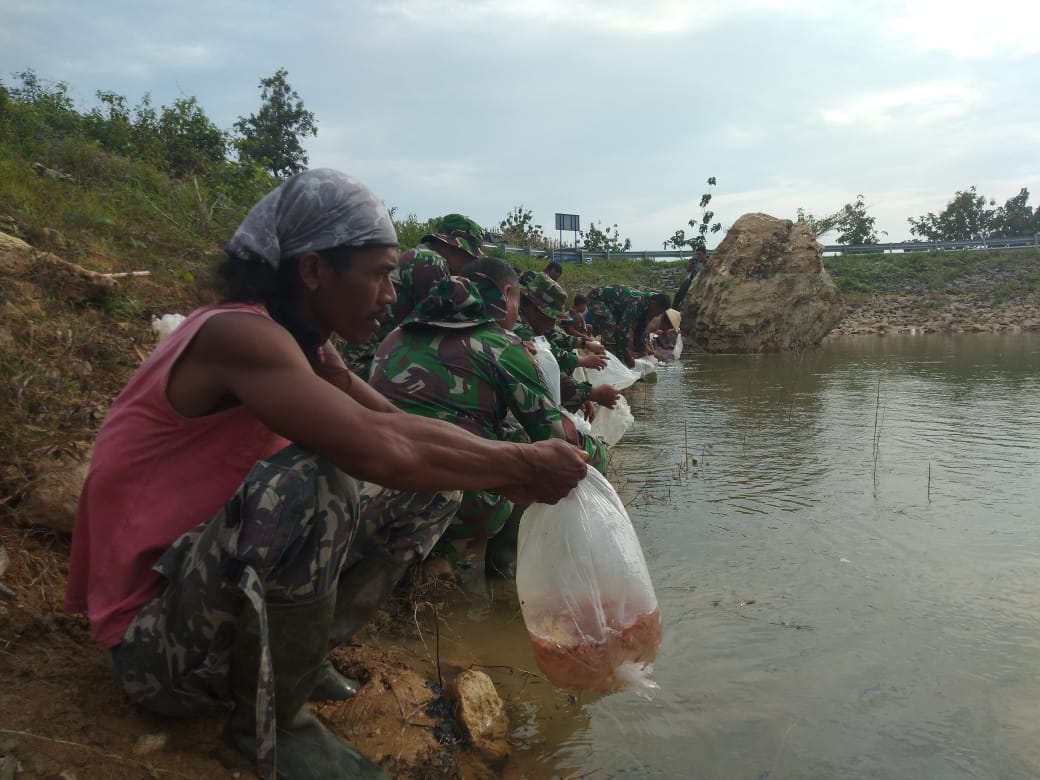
x,y
764,289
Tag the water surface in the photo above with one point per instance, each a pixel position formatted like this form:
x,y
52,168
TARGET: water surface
x,y
849,575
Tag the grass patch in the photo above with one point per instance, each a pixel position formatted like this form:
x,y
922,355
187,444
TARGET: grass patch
x,y
1011,271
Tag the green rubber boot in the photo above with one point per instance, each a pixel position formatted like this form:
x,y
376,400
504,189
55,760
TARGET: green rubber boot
x,y
361,590
305,748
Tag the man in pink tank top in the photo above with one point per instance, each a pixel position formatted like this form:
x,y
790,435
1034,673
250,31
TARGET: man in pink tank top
x,y
250,501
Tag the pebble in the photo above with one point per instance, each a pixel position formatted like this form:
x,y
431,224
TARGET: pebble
x,y
149,743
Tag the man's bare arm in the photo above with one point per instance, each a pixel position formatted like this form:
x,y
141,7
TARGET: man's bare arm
x,y
257,361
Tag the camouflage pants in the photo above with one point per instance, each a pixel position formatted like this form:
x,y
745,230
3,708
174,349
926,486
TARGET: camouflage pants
x,y
481,515
293,527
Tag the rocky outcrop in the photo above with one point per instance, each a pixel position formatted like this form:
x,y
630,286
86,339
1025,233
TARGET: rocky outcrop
x,y
764,289
895,313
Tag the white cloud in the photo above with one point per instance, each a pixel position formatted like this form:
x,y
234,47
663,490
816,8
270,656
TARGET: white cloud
x,y
441,176
732,135
650,17
921,104
967,28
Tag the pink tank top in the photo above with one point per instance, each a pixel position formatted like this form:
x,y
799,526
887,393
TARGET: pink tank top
x,y
153,476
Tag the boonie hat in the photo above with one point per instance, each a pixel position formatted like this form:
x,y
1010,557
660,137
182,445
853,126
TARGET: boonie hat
x,y
546,295
460,231
459,302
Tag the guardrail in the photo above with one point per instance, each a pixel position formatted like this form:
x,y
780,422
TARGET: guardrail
x,y
581,255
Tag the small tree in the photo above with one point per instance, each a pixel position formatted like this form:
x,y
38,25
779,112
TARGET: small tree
x,y
411,229
520,229
51,114
192,142
110,123
271,137
965,218
852,222
702,226
607,239
1016,218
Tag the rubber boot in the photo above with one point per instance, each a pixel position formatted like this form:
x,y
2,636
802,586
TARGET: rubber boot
x,y
361,589
333,686
306,749
500,555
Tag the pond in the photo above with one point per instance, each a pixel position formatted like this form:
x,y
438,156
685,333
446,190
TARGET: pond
x,y
849,572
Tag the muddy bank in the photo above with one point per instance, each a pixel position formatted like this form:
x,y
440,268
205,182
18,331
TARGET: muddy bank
x,y
934,312
63,716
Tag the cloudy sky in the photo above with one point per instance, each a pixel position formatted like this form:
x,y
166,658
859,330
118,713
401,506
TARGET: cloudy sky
x,y
616,110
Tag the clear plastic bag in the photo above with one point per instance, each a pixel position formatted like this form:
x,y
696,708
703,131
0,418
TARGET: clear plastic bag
x,y
611,424
548,368
614,373
646,366
582,425
585,592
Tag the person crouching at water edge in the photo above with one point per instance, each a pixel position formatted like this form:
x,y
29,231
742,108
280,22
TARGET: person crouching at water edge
x,y
251,502
456,358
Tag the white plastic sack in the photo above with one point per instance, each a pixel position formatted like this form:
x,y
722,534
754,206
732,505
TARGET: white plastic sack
x,y
646,365
583,425
677,349
615,373
167,324
585,592
611,424
548,368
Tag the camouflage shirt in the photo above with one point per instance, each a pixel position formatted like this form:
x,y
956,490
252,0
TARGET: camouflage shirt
x,y
472,375
572,394
620,314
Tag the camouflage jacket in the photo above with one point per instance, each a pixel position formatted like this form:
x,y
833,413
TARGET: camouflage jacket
x,y
471,374
567,345
572,394
619,313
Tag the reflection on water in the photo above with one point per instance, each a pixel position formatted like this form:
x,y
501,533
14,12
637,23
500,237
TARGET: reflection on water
x,y
848,575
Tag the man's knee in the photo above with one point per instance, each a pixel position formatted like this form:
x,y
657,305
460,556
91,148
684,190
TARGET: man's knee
x,y
292,520
407,524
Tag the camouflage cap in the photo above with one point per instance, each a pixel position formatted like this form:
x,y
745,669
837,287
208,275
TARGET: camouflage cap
x,y
545,294
458,302
460,231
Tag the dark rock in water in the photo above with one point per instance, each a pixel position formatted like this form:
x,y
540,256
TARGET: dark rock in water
x,y
763,290
442,711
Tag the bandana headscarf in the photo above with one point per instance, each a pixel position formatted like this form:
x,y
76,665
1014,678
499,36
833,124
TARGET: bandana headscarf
x,y
311,211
